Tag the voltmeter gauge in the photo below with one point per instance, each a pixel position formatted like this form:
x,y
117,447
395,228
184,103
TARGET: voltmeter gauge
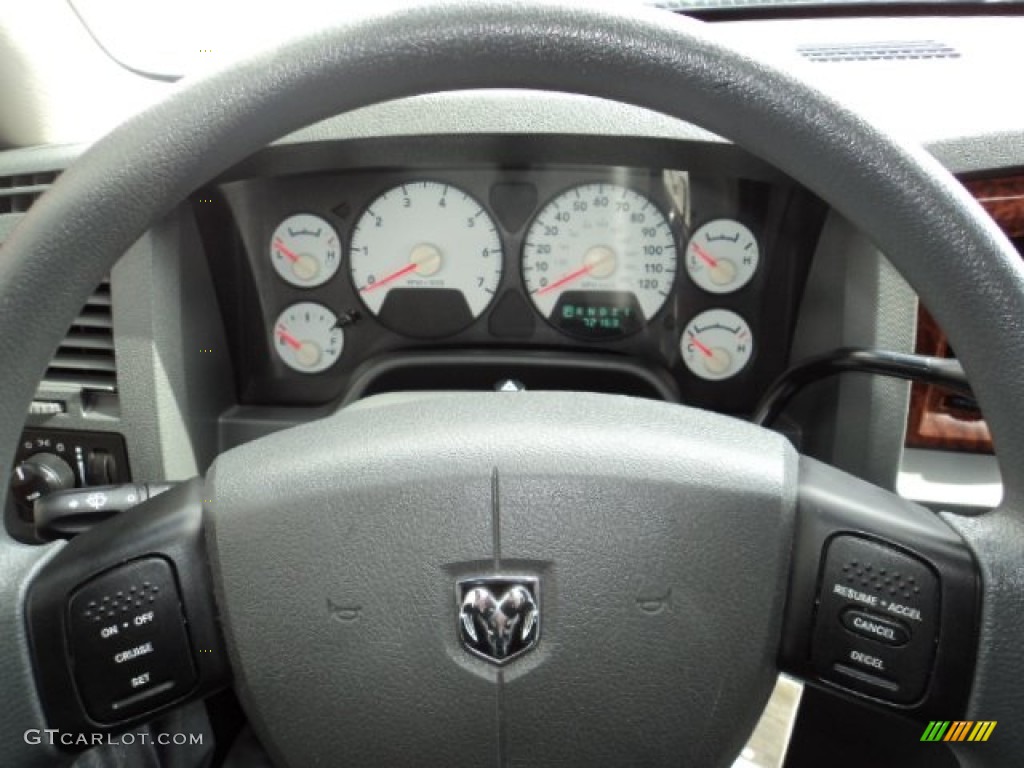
x,y
305,250
722,256
716,344
307,337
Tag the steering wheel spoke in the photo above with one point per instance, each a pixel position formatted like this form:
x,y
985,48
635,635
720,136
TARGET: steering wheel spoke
x,y
122,621
883,598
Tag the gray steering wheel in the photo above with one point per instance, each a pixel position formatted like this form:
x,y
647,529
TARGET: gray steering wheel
x,y
574,506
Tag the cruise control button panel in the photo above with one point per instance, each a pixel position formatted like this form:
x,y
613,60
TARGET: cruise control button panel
x,y
877,620
130,651
122,622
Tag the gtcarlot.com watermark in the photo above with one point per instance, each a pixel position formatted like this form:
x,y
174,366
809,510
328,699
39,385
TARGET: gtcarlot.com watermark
x,y
54,737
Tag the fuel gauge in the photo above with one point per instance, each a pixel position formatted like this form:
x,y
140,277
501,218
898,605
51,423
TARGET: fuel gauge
x,y
307,337
716,344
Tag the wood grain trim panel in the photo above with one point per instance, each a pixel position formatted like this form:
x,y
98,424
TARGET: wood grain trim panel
x,y
937,419
1003,198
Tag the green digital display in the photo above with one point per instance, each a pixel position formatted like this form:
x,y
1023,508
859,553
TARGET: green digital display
x,y
598,314
612,318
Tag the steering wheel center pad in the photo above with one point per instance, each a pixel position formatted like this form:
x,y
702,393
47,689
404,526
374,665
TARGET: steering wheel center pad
x,y
659,537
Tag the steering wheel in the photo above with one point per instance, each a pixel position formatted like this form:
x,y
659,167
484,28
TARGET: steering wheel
x,y
535,578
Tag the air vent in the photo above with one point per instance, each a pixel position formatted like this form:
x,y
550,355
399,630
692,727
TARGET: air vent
x,y
17,193
906,50
85,358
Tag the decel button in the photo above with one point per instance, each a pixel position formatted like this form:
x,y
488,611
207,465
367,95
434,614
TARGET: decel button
x,y
875,627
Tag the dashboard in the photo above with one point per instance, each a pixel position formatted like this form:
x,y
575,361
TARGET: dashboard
x,y
648,275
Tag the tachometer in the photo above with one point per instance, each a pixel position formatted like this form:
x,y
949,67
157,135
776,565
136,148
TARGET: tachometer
x,y
426,259
599,261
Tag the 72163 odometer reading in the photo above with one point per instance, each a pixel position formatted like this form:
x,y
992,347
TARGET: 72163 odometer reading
x,y
599,261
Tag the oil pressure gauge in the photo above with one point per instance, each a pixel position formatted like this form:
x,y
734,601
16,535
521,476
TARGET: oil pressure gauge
x,y
716,344
307,337
305,251
722,256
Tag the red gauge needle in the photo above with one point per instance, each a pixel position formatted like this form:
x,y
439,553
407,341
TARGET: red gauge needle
x,y
603,256
288,339
290,255
704,349
706,257
567,279
393,276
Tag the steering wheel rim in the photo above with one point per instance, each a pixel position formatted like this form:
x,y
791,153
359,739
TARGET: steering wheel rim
x,y
933,231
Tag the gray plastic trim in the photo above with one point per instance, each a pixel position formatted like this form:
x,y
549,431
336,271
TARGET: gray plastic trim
x,y
18,565
854,297
534,112
981,152
949,480
49,157
166,316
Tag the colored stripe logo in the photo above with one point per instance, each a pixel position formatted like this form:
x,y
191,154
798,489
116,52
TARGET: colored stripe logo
x,y
958,730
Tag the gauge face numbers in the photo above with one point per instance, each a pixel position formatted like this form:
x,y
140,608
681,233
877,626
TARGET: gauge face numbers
x,y
722,256
305,250
716,344
307,337
426,259
599,261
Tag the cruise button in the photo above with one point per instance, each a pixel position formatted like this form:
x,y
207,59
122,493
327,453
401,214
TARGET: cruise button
x,y
875,628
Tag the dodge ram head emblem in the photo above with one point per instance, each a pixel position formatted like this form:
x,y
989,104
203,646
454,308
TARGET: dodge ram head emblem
x,y
499,618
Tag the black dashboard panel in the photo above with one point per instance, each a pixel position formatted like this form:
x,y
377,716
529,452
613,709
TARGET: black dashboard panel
x,y
511,181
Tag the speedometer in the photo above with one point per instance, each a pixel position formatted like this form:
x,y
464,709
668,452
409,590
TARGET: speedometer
x,y
426,259
599,261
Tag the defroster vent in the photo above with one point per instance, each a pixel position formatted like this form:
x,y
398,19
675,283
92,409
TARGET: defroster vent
x,y
887,50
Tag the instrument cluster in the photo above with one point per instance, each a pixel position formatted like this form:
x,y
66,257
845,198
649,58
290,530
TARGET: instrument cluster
x,y
689,274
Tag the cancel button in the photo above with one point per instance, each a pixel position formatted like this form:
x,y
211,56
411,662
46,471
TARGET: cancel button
x,y
868,625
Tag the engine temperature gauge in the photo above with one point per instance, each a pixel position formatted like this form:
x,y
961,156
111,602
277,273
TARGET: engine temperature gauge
x,y
716,344
305,251
307,337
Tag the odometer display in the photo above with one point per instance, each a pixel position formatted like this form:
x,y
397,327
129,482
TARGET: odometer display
x,y
599,261
598,314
